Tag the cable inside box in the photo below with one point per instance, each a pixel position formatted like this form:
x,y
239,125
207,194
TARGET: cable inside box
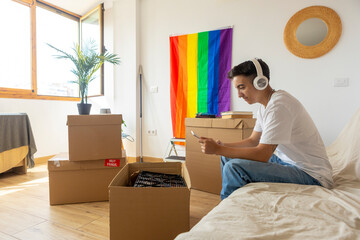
x,y
152,179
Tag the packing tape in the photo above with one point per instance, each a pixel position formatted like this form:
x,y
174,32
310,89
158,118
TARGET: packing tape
x,y
57,163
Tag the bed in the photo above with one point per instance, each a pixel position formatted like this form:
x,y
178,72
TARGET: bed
x,y
17,144
291,211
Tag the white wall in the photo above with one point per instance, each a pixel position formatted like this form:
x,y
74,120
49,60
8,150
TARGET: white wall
x,y
48,122
126,82
258,32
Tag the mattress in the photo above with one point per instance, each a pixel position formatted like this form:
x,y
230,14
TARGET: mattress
x,y
283,211
293,211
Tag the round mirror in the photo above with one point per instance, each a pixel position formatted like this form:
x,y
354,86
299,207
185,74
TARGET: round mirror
x,y
311,31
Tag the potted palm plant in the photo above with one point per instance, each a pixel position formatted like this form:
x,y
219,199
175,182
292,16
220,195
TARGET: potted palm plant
x,y
87,61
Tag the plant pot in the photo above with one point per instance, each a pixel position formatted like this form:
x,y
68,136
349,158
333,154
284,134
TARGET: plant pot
x,y
84,108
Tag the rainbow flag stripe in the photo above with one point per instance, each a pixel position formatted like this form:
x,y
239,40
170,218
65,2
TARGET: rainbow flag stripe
x,y
199,64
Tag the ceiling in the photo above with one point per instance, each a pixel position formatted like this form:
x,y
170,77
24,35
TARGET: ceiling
x,y
79,7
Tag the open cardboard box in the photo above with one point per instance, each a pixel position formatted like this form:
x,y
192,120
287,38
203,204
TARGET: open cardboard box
x,y
205,169
84,181
93,137
159,213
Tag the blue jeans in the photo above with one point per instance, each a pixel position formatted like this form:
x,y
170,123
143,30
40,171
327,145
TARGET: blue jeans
x,y
239,172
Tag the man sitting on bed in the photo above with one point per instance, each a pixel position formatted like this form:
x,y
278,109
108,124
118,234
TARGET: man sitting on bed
x,y
283,125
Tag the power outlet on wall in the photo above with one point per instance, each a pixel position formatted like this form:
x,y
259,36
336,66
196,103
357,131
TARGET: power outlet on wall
x,y
152,132
154,89
341,82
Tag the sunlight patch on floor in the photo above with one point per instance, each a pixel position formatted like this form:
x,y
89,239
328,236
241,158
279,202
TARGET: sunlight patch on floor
x,y
8,191
40,180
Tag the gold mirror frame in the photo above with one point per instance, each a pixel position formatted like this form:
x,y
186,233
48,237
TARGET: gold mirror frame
x,y
333,22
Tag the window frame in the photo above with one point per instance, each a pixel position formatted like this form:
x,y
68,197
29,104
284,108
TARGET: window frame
x,y
101,47
32,93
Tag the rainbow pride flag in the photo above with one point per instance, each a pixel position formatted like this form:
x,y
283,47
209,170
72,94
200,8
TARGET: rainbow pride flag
x,y
199,64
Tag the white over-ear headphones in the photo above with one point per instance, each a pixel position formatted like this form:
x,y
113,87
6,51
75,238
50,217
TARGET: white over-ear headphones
x,y
260,82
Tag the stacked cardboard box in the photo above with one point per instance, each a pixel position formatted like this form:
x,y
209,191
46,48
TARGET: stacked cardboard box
x,y
204,169
85,181
95,157
93,137
139,213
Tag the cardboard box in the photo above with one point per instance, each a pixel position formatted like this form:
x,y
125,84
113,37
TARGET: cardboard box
x,y
85,181
93,137
159,213
205,169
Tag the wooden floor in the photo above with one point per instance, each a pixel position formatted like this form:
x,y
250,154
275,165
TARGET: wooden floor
x,y
25,212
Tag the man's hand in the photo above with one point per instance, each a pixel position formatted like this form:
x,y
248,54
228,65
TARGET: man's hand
x,y
209,146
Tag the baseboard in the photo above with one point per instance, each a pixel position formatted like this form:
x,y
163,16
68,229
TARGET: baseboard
x,y
145,159
41,160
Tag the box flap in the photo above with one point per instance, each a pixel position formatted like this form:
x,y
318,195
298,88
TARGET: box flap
x,y
60,162
160,167
96,119
228,123
234,123
249,122
238,123
185,174
198,122
122,178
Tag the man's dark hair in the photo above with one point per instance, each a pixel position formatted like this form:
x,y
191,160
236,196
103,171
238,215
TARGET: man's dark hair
x,y
248,69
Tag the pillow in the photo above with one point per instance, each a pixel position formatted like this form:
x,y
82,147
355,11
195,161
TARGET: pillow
x,y
344,153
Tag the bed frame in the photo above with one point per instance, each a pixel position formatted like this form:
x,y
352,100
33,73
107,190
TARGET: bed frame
x,y
14,160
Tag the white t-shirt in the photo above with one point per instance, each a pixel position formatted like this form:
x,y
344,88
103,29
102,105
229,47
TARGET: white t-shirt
x,y
286,122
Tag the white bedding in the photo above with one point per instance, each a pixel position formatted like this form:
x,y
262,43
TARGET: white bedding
x,y
291,211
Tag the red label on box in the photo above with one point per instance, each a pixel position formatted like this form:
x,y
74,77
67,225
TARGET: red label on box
x,y
112,162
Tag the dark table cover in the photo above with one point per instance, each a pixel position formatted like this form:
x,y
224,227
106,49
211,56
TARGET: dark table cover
x,y
15,131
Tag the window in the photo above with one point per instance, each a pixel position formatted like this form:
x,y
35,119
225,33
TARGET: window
x,y
30,69
91,25
53,74
15,47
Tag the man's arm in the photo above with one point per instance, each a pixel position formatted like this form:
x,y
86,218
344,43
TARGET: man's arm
x,y
251,141
260,152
